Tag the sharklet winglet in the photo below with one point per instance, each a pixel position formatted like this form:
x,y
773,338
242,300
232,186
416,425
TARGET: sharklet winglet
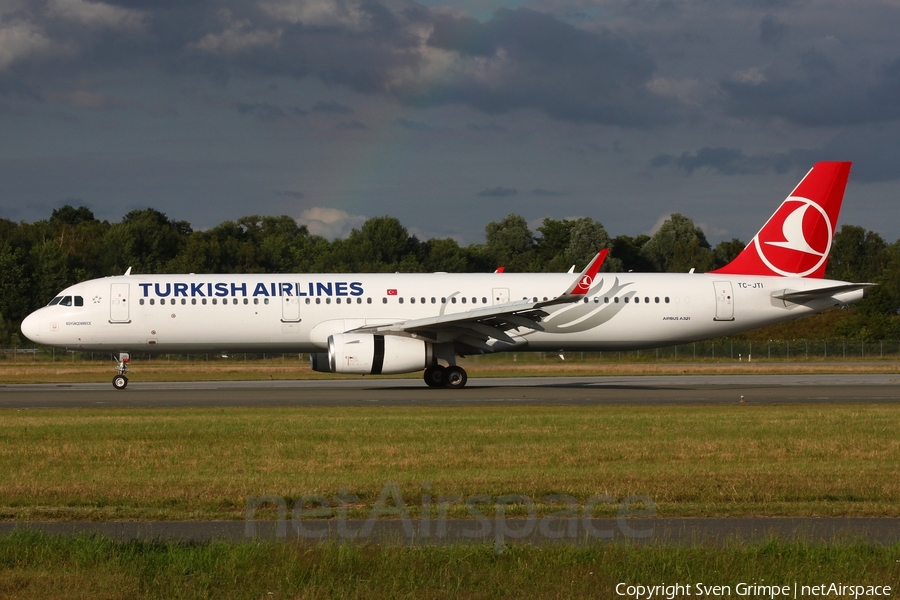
x,y
582,284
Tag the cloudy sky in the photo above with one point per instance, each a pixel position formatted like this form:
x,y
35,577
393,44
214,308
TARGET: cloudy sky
x,y
448,116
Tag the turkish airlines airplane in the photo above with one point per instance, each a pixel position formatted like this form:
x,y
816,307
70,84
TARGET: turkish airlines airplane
x,y
402,323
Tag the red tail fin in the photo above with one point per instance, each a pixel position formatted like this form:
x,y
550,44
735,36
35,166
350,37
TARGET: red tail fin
x,y
795,241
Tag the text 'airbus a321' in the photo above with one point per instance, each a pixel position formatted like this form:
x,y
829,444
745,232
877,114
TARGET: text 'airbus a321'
x,y
401,323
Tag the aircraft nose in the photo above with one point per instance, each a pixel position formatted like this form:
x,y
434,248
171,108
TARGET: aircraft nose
x,y
31,327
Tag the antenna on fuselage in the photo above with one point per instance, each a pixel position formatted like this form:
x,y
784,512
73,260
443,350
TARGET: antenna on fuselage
x,y
128,271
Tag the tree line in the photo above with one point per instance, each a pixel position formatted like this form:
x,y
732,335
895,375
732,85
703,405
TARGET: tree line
x,y
39,259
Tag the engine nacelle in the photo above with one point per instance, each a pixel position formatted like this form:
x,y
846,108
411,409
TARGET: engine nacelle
x,y
370,354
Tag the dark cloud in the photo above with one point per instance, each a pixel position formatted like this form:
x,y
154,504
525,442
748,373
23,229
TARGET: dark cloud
x,y
290,194
518,59
821,96
771,31
875,156
268,112
497,192
725,161
532,60
413,125
332,108
352,125
488,127
547,193
261,110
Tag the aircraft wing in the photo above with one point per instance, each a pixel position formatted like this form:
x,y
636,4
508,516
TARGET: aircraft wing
x,y
480,328
799,297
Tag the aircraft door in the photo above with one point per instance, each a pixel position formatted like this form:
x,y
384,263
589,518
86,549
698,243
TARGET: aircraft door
x,y
118,303
724,301
501,295
290,309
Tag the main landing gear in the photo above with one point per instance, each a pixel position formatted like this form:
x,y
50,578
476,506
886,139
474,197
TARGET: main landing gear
x,y
120,380
439,376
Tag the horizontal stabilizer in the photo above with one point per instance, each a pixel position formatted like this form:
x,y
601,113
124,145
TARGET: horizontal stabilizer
x,y
799,297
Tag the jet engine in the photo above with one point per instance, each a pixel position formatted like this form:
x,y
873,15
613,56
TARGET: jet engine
x,y
369,354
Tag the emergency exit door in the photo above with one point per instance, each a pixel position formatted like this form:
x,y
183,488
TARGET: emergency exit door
x,y
724,301
118,303
290,309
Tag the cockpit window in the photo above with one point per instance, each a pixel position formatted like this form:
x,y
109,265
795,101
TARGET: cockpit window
x,y
79,301
66,301
55,301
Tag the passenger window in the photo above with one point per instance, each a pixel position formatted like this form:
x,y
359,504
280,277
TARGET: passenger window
x,y
453,300
193,301
463,299
400,300
318,300
337,300
215,301
616,299
141,301
423,300
412,300
384,300
55,301
265,300
646,300
434,300
626,299
657,299
484,300
368,300
246,301
79,301
586,300
327,300
606,300
637,299
203,301
256,301
443,301
183,301
152,302
667,299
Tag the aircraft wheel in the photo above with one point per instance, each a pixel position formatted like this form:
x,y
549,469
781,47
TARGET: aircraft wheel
x,y
119,382
436,376
456,377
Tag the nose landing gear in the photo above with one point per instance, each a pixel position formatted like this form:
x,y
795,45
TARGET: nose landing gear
x,y
120,380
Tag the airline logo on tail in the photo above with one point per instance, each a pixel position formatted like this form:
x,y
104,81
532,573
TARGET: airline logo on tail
x,y
795,241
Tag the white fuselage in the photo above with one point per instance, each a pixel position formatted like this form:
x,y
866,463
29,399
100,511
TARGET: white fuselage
x,y
298,312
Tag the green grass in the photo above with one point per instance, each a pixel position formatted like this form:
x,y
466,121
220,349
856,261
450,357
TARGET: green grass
x,y
192,463
33,565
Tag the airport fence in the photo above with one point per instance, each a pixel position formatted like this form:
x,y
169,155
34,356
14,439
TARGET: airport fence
x,y
719,350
